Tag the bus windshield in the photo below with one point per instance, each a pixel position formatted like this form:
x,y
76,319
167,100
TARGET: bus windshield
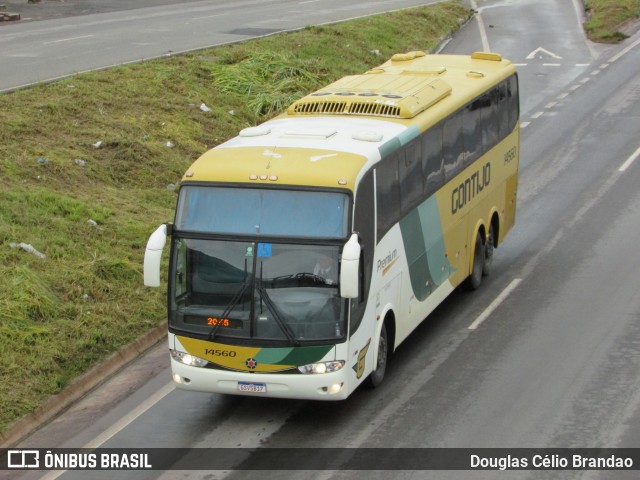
x,y
254,290
262,211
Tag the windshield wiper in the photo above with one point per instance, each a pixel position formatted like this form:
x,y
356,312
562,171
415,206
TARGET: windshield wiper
x,y
284,326
234,301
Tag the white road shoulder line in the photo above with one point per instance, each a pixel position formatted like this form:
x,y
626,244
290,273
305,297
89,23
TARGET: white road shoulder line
x,y
495,304
625,51
131,416
70,39
630,160
121,424
483,31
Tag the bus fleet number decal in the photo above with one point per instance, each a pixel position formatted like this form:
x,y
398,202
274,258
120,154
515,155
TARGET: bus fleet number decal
x,y
220,353
510,155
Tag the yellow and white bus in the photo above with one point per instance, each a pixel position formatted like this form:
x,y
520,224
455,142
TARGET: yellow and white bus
x,y
306,249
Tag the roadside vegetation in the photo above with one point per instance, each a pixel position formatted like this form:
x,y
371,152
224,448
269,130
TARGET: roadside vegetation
x,y
608,19
88,169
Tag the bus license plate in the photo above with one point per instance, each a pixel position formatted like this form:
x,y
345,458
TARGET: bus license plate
x,y
252,387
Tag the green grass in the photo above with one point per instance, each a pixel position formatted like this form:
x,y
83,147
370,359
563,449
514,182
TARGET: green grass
x,y
90,210
606,18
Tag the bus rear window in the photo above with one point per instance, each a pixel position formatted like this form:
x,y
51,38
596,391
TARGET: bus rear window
x,y
252,211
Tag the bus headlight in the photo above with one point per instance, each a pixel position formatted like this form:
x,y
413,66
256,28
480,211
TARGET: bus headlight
x,y
188,359
323,367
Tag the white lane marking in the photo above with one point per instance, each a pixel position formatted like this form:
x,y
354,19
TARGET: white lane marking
x,y
70,39
483,31
121,424
206,17
537,115
550,105
625,51
545,51
131,416
495,304
630,160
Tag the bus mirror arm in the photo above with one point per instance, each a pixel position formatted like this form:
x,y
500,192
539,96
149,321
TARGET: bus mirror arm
x,y
350,269
153,255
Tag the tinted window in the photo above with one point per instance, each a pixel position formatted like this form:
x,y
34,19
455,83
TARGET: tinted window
x,y
472,129
490,119
387,194
411,180
452,145
252,211
512,99
432,160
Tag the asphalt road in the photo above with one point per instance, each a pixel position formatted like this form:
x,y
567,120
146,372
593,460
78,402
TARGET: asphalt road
x,y
52,9
36,51
554,364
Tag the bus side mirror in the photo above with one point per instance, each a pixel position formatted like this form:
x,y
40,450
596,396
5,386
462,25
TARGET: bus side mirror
x,y
153,255
350,269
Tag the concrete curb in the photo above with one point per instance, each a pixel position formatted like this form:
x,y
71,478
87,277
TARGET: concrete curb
x,y
55,404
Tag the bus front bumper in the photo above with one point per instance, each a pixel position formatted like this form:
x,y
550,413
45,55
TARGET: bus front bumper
x,y
325,386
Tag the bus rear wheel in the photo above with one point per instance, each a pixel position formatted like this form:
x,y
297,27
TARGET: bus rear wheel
x,y
475,278
377,375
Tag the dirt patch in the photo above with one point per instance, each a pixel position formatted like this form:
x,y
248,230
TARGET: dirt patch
x,y
630,27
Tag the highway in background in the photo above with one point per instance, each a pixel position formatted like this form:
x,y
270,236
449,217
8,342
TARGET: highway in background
x,y
553,353
36,51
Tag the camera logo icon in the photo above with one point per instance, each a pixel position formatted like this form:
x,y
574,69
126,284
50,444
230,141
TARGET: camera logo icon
x,y
23,459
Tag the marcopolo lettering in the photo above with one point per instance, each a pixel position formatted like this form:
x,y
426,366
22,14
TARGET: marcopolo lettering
x,y
470,187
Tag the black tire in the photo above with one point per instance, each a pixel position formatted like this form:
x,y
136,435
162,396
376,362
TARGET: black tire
x,y
475,278
377,376
489,247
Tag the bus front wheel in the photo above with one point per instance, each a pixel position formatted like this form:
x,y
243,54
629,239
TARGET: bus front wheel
x,y
377,375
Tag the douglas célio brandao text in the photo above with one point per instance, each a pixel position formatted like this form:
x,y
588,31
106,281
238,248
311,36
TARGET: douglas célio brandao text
x,y
550,462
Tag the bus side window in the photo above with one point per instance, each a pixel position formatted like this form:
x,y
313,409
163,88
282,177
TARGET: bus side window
x,y
432,160
503,115
364,226
387,194
514,104
472,130
452,145
509,107
490,120
411,179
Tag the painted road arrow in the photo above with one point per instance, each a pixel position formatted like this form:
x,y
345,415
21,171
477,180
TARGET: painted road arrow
x,y
542,50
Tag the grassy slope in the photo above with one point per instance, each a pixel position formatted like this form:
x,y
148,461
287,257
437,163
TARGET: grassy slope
x,y
91,218
606,17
